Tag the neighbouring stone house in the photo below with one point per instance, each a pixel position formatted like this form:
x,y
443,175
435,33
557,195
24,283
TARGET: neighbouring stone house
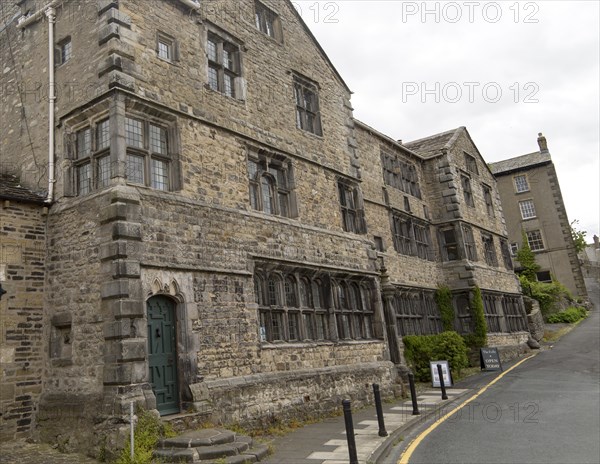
x,y
221,235
533,205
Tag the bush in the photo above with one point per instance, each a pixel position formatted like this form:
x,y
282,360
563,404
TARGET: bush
x,y
547,294
570,315
443,298
148,430
479,336
419,350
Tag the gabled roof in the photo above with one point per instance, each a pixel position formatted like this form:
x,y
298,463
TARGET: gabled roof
x,y
11,189
317,44
433,145
520,162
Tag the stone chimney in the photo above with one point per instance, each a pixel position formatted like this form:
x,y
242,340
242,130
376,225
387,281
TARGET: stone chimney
x,y
542,143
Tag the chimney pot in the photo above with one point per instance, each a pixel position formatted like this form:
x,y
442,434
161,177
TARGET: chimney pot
x,y
543,144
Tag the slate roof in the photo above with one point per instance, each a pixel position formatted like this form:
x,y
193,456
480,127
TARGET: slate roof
x,y
431,146
10,189
520,162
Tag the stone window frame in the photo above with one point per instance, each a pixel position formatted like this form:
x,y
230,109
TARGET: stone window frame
x,y
168,43
489,249
275,172
411,236
306,98
527,209
514,248
89,151
465,183
521,183
295,306
352,309
489,201
228,76
514,316
400,174
268,21
491,312
416,312
146,153
63,51
469,242
450,250
351,207
471,163
535,240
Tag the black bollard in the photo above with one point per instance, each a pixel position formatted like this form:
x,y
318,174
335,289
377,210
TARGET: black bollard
x,y
350,432
439,369
379,409
413,394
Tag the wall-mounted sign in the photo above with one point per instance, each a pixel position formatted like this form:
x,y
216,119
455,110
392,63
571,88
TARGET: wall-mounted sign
x,y
490,359
435,378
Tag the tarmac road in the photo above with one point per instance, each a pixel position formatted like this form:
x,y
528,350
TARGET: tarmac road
x,y
546,410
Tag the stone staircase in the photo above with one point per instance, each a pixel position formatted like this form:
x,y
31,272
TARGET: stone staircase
x,y
210,446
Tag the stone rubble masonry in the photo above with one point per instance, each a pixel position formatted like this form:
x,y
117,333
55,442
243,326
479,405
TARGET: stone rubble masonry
x,y
107,252
22,333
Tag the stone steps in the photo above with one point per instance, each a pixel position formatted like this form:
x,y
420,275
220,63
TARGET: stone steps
x,y
210,446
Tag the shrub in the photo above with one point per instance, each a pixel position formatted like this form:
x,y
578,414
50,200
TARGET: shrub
x,y
419,350
547,294
570,315
479,336
443,298
148,430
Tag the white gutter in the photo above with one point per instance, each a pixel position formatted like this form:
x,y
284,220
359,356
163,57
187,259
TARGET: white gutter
x,y
193,4
51,14
25,21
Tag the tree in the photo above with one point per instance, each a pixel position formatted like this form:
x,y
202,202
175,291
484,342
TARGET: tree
x,y
578,237
526,257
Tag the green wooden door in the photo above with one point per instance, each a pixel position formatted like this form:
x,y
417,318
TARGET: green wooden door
x,y
162,354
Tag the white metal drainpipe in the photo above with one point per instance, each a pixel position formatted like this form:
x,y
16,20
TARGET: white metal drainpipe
x,y
51,14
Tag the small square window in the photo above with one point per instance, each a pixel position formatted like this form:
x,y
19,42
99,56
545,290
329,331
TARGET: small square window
x,y
471,164
267,21
166,47
527,209
63,52
521,184
534,238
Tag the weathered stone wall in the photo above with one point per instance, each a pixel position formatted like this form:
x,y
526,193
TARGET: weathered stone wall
x,y
509,346
259,399
22,341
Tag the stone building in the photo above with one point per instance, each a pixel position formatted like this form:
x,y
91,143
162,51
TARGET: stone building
x,y
533,205
223,237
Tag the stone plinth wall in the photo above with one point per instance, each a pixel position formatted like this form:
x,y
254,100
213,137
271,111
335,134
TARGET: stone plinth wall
x,y
254,400
510,345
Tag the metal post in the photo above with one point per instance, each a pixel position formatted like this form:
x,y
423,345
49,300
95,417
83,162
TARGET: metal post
x,y
439,369
350,432
413,394
131,428
379,409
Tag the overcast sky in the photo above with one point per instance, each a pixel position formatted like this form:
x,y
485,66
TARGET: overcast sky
x,y
505,70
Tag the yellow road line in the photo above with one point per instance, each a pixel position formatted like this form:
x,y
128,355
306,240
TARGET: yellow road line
x,y
408,452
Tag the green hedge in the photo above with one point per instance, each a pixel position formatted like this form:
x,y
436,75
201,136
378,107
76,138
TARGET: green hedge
x,y
572,314
419,350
